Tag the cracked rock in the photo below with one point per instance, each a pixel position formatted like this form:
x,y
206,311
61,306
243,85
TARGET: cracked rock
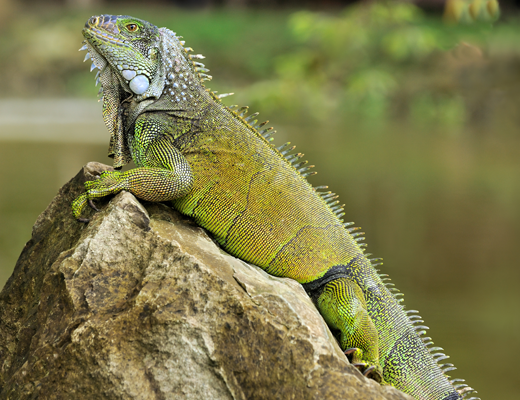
x,y
141,304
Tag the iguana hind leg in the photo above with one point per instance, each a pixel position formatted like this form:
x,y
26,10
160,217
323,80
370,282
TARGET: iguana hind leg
x,y
343,307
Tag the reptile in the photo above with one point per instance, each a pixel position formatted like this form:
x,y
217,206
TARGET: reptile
x,y
217,165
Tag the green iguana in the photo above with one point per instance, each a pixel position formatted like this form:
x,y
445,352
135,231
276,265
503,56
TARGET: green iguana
x,y
218,167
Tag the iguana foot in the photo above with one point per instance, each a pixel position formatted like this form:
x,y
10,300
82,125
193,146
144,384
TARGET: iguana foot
x,y
370,371
109,182
92,205
342,304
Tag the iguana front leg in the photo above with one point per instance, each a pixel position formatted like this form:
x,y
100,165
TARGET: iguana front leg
x,y
163,173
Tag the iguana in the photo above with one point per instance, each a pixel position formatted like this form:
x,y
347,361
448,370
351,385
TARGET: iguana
x,y
218,166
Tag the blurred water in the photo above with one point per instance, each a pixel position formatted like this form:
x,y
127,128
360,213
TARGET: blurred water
x,y
43,143
51,120
442,209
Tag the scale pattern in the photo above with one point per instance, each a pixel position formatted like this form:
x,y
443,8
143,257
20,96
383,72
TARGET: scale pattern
x,y
216,164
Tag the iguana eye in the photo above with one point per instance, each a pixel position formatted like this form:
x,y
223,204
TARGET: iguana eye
x,y
132,27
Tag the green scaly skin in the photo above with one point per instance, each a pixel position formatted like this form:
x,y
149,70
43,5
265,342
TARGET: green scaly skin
x,y
219,168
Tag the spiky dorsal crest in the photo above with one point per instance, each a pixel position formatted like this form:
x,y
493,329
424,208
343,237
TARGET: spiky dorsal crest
x,y
180,78
464,390
286,151
416,321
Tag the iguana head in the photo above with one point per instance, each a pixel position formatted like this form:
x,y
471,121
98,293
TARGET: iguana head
x,y
139,64
129,46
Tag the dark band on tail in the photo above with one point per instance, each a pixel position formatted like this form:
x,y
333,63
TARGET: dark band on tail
x,y
453,396
314,288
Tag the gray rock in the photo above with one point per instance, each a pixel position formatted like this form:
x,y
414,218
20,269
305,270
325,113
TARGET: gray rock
x,y
141,304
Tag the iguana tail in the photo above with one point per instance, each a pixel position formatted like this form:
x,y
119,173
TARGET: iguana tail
x,y
381,338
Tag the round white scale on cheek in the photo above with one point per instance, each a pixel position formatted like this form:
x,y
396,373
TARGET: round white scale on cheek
x,y
128,74
139,84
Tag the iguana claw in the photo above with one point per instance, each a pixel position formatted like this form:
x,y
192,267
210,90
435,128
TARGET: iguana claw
x,y
104,185
91,204
359,364
369,371
350,351
87,220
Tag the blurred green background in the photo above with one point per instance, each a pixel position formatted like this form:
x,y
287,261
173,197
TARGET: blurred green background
x,y
410,114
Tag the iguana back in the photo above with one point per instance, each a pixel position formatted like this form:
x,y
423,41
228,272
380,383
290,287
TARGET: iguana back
x,y
219,168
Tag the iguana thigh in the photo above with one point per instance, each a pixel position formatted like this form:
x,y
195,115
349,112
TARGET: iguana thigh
x,y
343,306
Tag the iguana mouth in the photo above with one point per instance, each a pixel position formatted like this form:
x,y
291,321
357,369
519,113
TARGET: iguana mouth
x,y
103,35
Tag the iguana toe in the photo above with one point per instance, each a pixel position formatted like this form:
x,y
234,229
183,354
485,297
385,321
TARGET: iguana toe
x,y
372,371
78,205
91,204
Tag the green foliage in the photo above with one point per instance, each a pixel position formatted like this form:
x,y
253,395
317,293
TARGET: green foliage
x,y
39,48
372,62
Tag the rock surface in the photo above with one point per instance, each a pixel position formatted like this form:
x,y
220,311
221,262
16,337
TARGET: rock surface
x,y
141,304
